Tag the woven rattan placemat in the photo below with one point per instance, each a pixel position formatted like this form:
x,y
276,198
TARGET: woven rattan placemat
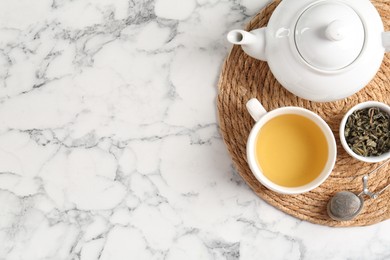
x,y
243,77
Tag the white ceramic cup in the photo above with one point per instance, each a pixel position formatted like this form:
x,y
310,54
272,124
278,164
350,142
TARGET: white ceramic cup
x,y
371,159
261,116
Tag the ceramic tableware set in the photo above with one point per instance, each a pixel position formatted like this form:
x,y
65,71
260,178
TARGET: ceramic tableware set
x,y
320,51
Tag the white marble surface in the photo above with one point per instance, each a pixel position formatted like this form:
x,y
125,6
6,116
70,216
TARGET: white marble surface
x,y
109,143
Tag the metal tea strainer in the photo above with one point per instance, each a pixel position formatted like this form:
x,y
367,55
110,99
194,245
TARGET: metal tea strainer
x,y
346,205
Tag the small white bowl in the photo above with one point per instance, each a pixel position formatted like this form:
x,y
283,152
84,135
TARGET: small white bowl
x,y
371,159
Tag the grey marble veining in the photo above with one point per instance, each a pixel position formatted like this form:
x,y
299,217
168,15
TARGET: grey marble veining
x,y
109,143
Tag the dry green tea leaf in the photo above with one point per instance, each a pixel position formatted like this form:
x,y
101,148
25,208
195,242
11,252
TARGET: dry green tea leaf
x,y
367,132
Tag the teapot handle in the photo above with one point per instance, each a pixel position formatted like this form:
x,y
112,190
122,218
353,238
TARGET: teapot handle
x,y
386,41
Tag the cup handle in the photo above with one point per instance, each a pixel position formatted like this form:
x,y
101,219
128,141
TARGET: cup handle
x,y
255,109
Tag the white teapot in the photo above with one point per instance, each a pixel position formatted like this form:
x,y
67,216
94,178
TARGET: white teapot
x,y
320,50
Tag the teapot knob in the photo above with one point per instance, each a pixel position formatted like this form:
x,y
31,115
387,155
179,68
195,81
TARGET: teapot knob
x,y
335,31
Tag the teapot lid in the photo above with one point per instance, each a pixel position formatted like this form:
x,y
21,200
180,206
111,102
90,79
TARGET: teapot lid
x,y
329,35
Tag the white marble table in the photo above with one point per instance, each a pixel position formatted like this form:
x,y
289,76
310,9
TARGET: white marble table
x,y
109,143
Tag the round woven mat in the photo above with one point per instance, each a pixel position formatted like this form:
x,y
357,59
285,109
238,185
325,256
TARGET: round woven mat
x,y
243,77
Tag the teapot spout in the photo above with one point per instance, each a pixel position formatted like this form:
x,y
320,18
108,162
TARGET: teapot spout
x,y
386,41
252,43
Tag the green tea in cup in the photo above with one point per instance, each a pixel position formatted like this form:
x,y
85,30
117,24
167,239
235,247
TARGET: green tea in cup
x,y
291,150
